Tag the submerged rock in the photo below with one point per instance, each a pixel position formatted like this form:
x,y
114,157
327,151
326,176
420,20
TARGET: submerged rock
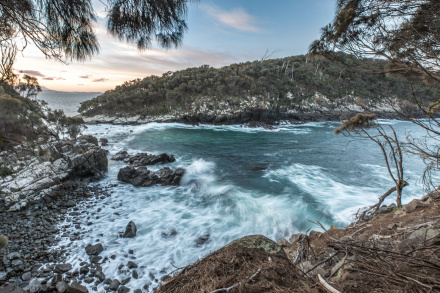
x,y
143,177
130,230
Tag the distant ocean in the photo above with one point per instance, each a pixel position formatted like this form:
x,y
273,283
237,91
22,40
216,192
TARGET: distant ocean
x,y
67,101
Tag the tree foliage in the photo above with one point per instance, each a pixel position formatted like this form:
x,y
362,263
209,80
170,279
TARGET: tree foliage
x,y
28,87
405,32
282,82
64,29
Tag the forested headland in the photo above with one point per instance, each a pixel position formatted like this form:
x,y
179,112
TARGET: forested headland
x,y
276,85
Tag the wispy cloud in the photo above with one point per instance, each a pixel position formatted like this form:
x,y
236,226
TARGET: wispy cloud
x,y
53,78
237,18
100,80
32,72
85,76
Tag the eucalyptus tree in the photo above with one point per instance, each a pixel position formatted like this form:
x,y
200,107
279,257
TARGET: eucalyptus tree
x,y
65,29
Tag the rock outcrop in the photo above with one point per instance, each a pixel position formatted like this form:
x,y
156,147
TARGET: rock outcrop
x,y
39,173
143,159
141,176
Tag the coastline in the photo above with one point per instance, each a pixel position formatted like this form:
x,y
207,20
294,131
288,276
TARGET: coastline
x,y
72,276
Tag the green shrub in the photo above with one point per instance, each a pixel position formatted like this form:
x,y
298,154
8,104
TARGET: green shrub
x,y
5,171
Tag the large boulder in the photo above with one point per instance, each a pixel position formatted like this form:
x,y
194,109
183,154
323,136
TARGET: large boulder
x,y
143,177
144,159
251,264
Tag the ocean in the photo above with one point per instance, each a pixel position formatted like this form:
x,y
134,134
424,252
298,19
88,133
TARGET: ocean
x,y
67,101
239,181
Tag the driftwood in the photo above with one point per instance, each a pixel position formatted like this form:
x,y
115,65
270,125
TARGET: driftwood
x,y
327,286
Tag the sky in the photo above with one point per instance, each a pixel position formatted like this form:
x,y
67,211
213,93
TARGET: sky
x,y
220,32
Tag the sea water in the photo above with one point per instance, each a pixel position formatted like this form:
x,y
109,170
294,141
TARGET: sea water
x,y
239,181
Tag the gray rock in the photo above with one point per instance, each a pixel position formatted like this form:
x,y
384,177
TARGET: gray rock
x,y
121,155
61,287
95,258
123,289
283,242
84,270
135,274
138,291
125,281
26,276
415,203
132,265
114,285
144,159
13,255
100,276
16,262
62,268
89,138
94,249
103,141
143,177
202,240
77,288
424,234
34,286
89,280
107,281
11,289
130,230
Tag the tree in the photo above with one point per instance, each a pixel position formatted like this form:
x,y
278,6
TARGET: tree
x,y
362,126
64,29
28,87
407,34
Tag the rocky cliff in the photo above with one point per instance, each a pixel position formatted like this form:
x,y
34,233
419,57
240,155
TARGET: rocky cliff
x,y
36,172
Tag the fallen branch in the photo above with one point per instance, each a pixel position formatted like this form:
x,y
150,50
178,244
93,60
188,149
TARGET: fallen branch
x,y
326,285
322,262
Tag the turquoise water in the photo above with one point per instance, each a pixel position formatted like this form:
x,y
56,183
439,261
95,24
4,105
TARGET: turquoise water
x,y
239,181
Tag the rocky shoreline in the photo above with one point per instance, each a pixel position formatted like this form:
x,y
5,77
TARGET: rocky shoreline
x,y
315,109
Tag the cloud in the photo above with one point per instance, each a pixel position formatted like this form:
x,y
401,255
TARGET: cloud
x,y
236,18
32,72
99,80
53,78
85,76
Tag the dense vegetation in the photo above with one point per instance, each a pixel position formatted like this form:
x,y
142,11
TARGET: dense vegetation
x,y
19,116
282,82
24,120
